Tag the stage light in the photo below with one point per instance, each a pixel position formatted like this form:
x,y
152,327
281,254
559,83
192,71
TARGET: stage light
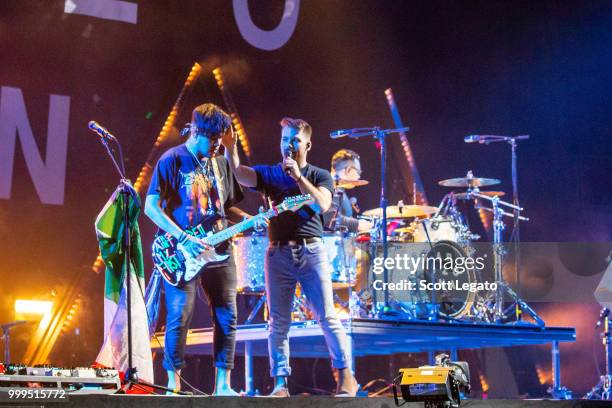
x,y
483,383
229,103
440,385
36,307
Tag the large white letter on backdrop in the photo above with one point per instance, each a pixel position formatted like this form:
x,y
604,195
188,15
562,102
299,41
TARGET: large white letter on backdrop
x,y
263,39
125,11
49,176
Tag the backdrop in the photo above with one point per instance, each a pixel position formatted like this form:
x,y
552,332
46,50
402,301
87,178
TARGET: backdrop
x,y
456,68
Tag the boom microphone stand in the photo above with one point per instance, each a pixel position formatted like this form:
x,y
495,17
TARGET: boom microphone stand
x,y
6,336
380,135
515,237
499,252
131,376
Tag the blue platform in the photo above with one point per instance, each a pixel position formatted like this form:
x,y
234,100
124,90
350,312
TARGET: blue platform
x,y
386,337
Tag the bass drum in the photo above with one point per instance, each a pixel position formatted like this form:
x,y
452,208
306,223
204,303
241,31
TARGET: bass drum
x,y
454,303
249,253
427,291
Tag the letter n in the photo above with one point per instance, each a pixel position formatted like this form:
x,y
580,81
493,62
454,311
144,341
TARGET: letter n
x,y
49,176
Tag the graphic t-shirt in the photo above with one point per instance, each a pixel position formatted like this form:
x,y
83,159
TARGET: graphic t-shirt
x,y
189,191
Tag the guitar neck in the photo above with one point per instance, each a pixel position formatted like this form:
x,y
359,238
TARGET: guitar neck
x,y
227,233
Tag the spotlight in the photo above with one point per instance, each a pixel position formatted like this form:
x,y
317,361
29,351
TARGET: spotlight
x,y
37,307
438,386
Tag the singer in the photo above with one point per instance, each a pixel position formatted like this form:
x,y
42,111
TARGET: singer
x,y
296,252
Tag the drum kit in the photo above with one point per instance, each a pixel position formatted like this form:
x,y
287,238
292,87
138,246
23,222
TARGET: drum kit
x,y
420,231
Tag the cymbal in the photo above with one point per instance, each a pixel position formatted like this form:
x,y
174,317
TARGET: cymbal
x,y
406,211
464,196
405,230
348,184
469,182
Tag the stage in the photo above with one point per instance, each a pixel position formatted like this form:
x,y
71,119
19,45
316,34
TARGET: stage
x,y
159,401
386,337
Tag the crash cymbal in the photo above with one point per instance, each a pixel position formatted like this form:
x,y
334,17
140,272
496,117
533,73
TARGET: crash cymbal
x,y
464,196
409,230
469,182
348,184
406,211
342,285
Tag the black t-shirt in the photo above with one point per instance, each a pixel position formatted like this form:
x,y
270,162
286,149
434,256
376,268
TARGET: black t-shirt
x,y
188,191
273,182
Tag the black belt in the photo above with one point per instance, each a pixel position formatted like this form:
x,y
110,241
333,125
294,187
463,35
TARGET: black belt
x,y
299,241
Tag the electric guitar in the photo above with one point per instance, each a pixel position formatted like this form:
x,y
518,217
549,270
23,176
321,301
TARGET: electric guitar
x,y
178,266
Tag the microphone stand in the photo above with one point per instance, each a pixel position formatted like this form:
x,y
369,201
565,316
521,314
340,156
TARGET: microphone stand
x,y
131,377
502,287
514,236
380,135
6,336
603,389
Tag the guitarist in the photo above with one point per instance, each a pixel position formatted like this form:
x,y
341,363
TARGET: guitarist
x,y
296,252
191,185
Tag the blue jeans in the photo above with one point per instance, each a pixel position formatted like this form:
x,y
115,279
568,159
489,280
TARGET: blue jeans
x,y
307,264
219,284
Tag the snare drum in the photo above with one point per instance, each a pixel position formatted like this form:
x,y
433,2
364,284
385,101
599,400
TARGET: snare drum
x,y
249,254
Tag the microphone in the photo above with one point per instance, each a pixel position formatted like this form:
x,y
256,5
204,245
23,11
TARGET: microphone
x,y
353,201
101,131
473,139
290,153
341,133
492,138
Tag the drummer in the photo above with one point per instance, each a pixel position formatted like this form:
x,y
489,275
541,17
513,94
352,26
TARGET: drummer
x,y
345,170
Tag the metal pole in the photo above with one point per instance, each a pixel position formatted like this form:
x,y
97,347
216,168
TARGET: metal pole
x,y
556,366
498,254
248,368
383,204
7,346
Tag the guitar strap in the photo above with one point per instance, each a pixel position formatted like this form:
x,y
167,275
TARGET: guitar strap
x,y
220,187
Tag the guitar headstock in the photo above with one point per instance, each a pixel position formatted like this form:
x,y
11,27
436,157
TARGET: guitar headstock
x,y
294,203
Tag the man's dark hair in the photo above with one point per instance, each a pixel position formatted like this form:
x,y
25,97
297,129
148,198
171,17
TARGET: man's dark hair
x,y
211,120
298,124
343,155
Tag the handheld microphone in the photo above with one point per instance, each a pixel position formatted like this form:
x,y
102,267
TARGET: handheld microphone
x,y
290,153
100,131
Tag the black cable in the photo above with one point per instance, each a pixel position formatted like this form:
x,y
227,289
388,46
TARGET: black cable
x,y
121,160
316,390
313,372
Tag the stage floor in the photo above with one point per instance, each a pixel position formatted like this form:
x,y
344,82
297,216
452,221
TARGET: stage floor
x,y
158,401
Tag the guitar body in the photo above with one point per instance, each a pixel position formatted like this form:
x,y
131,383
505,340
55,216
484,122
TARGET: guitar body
x,y
175,263
178,267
